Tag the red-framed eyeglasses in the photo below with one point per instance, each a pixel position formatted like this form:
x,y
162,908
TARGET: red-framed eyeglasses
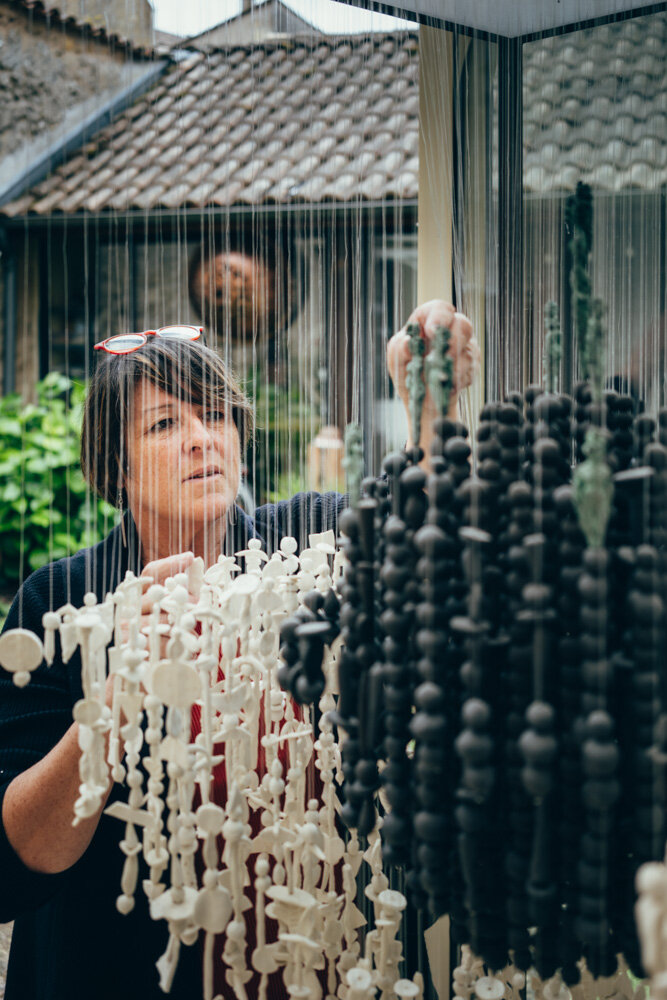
x,y
125,343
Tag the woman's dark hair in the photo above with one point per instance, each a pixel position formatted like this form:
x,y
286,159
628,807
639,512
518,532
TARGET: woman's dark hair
x,y
185,369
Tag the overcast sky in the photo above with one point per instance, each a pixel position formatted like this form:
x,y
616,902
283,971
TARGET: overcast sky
x,y
193,16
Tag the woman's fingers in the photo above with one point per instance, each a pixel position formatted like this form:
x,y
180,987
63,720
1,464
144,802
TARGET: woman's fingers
x,y
398,355
161,569
157,572
433,314
463,348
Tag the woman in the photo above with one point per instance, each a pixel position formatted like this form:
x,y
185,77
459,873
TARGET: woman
x,y
163,430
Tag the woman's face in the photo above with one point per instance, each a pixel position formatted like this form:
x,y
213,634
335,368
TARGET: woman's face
x,y
183,463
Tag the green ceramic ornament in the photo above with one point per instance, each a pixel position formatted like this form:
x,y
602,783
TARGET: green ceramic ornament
x,y
439,367
414,379
593,489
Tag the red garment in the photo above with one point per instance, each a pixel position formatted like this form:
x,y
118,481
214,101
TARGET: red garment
x,y
276,986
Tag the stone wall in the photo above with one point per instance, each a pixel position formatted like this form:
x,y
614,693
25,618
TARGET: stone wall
x,y
51,79
43,71
130,19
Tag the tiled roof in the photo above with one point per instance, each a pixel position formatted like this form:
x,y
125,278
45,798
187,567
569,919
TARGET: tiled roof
x,y
53,14
595,108
335,120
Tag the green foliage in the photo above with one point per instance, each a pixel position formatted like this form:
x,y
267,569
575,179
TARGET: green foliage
x,y
284,428
286,485
46,510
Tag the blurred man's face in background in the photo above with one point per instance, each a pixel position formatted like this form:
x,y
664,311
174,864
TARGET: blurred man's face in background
x,y
238,296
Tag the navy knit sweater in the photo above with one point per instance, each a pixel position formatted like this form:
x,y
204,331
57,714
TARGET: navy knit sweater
x,y
69,941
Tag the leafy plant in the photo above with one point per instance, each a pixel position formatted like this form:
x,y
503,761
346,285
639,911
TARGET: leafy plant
x,y
284,429
46,510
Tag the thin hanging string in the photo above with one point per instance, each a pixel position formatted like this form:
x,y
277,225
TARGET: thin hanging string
x,y
629,225
22,515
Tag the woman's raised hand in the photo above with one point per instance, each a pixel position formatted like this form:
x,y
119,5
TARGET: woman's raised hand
x,y
157,572
160,570
463,350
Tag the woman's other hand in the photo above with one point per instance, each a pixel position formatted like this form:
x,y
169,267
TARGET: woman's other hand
x,y
463,350
157,572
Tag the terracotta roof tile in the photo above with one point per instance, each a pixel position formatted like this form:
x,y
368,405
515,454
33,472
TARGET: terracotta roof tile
x,y
95,201
162,103
250,172
229,193
342,126
351,144
407,185
148,198
174,173
176,194
148,175
21,206
272,149
119,201
201,89
312,189
202,194
235,115
193,138
188,119
198,156
278,168
170,152
324,147
345,187
224,173
166,121
255,192
359,166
